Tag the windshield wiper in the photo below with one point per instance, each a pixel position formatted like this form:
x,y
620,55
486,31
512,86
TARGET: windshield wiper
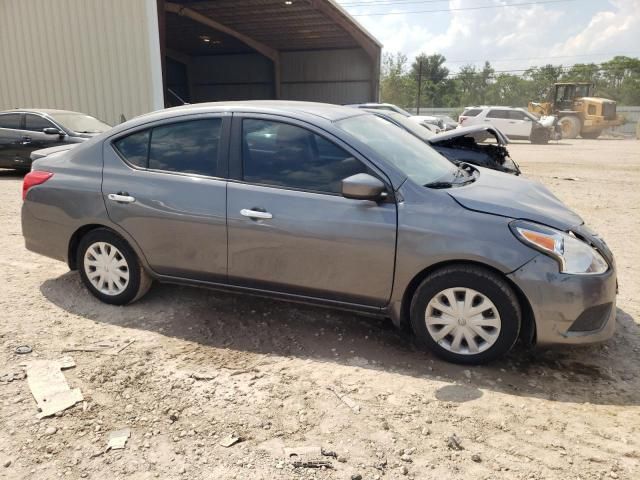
x,y
439,185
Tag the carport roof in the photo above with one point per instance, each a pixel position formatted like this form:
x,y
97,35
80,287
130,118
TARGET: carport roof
x,y
277,24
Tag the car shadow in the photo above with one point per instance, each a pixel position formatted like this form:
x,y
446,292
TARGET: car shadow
x,y
599,374
9,174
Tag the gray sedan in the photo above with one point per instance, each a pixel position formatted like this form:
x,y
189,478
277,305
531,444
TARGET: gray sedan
x,y
323,204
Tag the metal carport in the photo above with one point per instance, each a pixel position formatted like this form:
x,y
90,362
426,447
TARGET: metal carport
x,y
265,49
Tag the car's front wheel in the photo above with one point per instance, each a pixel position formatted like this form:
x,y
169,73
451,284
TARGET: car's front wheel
x,y
110,269
466,314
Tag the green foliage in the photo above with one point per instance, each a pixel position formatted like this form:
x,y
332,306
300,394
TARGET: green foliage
x,y
618,79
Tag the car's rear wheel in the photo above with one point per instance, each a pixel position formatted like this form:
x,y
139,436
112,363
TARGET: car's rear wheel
x,y
466,314
110,269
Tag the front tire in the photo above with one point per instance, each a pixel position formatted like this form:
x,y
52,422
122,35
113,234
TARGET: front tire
x,y
540,136
570,126
110,269
466,314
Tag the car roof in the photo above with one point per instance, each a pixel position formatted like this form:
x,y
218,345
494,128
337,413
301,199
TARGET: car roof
x,y
46,111
325,111
504,107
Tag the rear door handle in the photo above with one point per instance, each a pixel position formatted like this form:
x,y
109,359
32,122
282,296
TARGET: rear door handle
x,y
255,214
121,197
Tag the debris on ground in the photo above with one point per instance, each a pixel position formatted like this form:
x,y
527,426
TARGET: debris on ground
x,y
105,347
476,458
204,376
347,400
23,349
453,442
230,440
13,376
310,456
49,386
118,439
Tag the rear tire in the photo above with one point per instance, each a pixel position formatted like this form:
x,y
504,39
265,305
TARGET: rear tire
x,y
110,269
591,135
466,314
570,126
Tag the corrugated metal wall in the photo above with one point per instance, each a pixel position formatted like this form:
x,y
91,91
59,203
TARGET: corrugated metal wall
x,y
333,76
231,77
93,56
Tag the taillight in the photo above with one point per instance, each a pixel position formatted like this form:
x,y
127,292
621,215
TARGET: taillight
x,y
32,179
461,119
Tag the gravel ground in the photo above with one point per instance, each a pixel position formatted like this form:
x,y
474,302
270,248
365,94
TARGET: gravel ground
x,y
205,365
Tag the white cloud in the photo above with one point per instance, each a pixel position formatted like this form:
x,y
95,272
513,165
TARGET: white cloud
x,y
525,36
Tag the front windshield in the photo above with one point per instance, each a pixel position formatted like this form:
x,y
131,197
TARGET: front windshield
x,y
418,161
80,123
413,127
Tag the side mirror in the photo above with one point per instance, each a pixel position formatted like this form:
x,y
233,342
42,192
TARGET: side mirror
x,y
52,131
363,186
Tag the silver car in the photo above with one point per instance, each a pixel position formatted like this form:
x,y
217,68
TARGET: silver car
x,y
323,204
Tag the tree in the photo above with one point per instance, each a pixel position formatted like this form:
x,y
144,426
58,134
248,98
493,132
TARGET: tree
x,y
396,85
431,72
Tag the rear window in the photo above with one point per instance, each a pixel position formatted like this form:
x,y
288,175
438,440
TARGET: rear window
x,y
186,147
11,120
472,112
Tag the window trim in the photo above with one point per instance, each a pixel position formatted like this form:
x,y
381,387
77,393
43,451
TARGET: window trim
x,y
221,162
44,117
236,165
21,123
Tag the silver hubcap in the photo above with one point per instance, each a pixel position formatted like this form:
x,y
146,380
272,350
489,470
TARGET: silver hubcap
x,y
463,321
106,268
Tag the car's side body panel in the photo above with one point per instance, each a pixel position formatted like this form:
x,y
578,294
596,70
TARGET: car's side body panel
x,y
178,220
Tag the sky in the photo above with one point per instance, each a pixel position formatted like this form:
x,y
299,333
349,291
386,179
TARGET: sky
x,y
538,32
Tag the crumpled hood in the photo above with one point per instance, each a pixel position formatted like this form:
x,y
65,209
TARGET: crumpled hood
x,y
515,197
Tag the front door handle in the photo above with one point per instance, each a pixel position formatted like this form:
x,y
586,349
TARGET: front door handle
x,y
255,214
121,197
25,140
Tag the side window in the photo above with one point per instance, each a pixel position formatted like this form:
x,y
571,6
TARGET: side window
x,y
35,123
498,114
516,115
473,112
275,153
135,148
187,147
11,120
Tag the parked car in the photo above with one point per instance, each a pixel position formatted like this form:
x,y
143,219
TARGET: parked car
x,y
462,144
23,131
447,122
427,121
323,204
515,123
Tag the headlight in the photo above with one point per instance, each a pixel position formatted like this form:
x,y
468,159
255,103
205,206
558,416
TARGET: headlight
x,y
573,255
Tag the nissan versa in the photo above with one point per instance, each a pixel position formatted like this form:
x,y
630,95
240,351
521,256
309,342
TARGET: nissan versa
x,y
324,204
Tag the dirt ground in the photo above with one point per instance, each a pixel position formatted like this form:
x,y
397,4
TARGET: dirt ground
x,y
205,365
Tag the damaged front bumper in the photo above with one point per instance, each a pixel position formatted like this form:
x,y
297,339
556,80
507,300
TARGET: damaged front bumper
x,y
568,309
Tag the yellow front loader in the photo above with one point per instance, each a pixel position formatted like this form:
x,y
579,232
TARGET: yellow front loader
x,y
578,112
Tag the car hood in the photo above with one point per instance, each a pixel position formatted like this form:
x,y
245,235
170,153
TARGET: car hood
x,y
500,137
515,197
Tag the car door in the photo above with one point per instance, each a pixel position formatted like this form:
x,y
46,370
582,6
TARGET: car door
x,y
36,139
520,124
11,134
289,228
499,118
165,185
